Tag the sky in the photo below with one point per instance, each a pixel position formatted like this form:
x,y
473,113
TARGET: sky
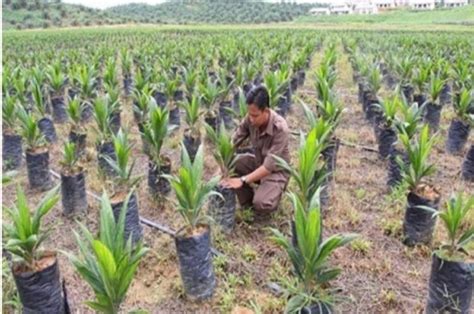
x,y
102,4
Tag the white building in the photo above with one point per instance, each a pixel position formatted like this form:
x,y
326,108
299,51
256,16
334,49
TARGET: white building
x,y
422,4
384,4
402,3
365,8
319,11
339,9
454,3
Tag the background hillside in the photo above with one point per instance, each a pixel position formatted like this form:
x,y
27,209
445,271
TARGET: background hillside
x,y
235,12
21,14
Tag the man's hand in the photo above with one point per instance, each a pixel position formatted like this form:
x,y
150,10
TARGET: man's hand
x,y
232,183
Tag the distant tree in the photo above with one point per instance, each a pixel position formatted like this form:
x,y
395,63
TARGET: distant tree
x,y
46,15
63,13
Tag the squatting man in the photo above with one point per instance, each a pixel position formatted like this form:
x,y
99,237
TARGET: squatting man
x,y
268,134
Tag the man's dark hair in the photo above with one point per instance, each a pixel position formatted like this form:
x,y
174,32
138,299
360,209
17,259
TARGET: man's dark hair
x,y
258,96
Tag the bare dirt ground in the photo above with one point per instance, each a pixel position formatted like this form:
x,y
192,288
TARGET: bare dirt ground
x,y
380,274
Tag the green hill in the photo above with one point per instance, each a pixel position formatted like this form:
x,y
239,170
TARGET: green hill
x,y
21,14
227,12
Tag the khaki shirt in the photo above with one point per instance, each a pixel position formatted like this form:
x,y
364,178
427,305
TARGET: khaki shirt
x,y
272,141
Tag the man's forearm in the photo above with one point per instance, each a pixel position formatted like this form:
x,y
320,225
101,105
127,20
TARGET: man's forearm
x,y
257,174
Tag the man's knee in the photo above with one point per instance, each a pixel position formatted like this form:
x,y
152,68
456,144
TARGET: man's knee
x,y
264,206
244,164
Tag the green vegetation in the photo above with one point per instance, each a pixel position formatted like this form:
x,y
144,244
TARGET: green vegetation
x,y
226,12
22,14
463,15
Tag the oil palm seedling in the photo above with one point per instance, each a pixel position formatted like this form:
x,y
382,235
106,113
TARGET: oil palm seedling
x,y
310,259
192,134
35,270
225,98
124,183
56,80
405,67
155,132
37,153
385,130
104,144
433,108
210,92
109,261
77,131
142,101
407,122
419,224
462,75
87,90
113,101
73,186
222,207
45,123
276,85
451,280
127,60
421,82
171,84
309,173
371,99
110,72
460,127
12,142
193,241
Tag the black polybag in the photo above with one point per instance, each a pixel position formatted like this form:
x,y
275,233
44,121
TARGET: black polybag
x,y
195,265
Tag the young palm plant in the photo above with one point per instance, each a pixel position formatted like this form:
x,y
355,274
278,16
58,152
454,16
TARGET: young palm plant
x,y
460,127
451,282
123,184
113,100
77,132
37,153
309,256
192,135
418,224
104,144
433,107
56,83
222,207
109,262
87,91
193,241
12,141
385,130
210,93
45,123
35,270
73,187
154,133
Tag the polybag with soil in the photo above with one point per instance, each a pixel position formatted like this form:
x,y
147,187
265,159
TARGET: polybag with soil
x,y
195,264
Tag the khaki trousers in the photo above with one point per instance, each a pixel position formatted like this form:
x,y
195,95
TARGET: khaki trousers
x,y
266,197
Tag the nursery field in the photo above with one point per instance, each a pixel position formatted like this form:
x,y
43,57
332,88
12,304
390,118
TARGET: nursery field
x,y
380,124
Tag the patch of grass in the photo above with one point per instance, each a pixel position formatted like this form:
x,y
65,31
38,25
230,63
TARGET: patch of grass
x,y
388,297
391,227
249,254
361,245
360,193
